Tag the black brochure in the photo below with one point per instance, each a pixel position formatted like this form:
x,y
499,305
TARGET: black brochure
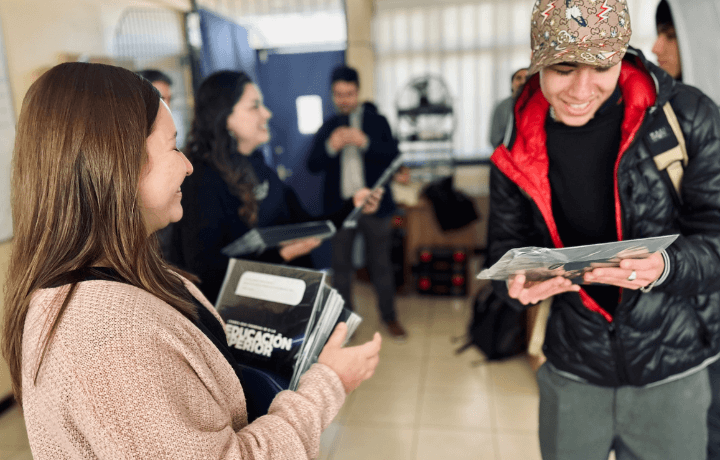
x,y
277,317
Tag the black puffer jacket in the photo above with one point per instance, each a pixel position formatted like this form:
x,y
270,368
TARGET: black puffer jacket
x,y
654,336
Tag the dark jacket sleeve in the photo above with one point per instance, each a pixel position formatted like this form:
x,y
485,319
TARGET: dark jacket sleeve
x,y
381,151
298,213
695,255
338,217
510,225
318,159
383,147
210,222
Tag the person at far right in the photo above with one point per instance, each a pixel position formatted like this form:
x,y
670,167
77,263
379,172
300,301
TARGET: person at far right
x,y
627,351
688,43
687,27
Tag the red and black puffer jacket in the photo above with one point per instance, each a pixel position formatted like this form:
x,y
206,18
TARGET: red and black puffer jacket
x,y
675,328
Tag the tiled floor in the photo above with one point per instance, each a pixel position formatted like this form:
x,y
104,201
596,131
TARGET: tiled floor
x,y
13,439
424,401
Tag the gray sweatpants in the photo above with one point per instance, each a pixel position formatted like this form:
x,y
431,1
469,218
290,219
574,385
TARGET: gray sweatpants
x,y
580,421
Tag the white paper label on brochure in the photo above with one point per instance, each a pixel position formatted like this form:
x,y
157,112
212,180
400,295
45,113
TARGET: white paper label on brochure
x,y
273,288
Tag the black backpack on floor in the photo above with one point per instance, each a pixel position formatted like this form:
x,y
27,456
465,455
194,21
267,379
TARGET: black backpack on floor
x,y
496,328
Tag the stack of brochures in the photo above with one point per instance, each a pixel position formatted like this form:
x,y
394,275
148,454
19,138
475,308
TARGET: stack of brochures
x,y
278,318
258,240
539,264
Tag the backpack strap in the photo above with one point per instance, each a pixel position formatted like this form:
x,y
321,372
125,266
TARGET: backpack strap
x,y
673,159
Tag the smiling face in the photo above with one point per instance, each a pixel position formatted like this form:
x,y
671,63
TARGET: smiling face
x,y
162,175
249,120
667,51
577,91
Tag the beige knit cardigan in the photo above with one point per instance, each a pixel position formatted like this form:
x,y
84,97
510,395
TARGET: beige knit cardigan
x,y
126,376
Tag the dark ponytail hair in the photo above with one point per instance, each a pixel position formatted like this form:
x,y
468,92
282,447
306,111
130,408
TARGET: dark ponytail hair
x,y
210,141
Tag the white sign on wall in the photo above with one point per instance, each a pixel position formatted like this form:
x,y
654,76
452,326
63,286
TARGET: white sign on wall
x,y
7,140
309,113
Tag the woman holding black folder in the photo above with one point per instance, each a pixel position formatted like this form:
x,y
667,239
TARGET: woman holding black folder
x,y
232,189
112,353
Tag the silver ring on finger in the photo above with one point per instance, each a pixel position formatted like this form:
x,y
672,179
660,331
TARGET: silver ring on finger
x,y
633,276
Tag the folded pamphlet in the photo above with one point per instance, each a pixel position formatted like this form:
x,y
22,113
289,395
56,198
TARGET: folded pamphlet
x,y
257,240
278,318
352,218
539,264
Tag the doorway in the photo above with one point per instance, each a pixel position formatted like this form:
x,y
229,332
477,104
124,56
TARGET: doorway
x,y
296,87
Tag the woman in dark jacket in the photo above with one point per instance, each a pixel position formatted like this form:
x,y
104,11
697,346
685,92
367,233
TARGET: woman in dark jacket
x,y
232,189
627,353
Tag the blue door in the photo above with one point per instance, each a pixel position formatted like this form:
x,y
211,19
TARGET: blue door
x,y
283,78
225,46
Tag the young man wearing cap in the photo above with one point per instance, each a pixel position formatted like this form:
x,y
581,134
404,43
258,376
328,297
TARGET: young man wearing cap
x,y
697,32
627,355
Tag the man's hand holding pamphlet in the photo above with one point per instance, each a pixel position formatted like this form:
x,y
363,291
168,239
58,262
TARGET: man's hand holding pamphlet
x,y
351,220
540,264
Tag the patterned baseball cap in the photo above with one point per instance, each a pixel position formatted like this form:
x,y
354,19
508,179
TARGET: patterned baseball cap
x,y
593,32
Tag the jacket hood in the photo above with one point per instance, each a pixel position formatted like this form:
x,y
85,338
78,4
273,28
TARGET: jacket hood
x,y
697,25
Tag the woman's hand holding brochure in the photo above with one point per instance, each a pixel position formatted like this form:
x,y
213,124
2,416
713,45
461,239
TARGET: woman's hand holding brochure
x,y
352,364
296,248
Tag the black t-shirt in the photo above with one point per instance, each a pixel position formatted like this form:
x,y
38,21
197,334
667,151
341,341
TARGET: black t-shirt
x,y
581,173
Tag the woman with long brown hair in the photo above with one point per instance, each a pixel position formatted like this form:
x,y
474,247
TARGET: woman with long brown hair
x,y
112,353
233,190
